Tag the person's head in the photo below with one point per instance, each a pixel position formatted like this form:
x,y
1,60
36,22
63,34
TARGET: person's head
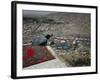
x,y
48,36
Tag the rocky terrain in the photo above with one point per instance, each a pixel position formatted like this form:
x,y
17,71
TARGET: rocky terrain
x,y
59,24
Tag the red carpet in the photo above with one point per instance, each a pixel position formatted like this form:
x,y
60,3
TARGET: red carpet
x,y
35,55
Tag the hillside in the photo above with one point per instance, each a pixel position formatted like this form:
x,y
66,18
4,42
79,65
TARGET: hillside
x,y
58,24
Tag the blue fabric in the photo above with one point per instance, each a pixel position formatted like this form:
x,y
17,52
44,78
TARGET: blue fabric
x,y
63,45
38,40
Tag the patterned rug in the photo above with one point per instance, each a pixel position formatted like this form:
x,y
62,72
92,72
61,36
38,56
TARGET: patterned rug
x,y
35,55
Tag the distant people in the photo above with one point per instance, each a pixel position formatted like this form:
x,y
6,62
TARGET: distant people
x,y
74,44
